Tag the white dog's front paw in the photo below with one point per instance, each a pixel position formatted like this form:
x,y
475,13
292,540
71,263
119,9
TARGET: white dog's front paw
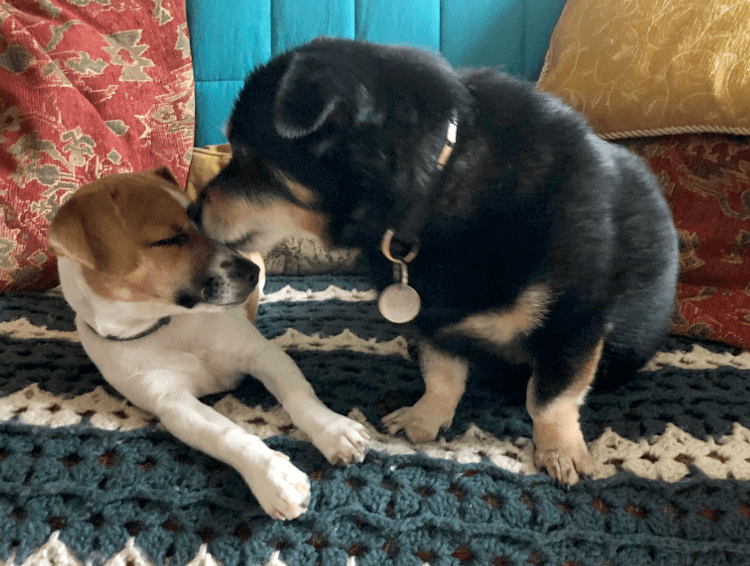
x,y
341,440
282,490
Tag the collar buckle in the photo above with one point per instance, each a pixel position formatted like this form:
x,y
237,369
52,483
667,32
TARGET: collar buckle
x,y
385,247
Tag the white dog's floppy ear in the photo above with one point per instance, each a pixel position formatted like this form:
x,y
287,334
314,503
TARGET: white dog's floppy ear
x,y
89,229
308,94
165,173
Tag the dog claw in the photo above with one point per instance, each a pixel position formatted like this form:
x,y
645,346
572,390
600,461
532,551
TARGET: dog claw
x,y
419,425
283,491
342,441
566,469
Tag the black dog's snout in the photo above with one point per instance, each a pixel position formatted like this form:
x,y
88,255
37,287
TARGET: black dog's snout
x,y
194,213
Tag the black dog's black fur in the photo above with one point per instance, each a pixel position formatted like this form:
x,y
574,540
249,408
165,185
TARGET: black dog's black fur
x,y
528,196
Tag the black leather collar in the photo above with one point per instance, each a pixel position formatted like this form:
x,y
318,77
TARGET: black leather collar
x,y
406,236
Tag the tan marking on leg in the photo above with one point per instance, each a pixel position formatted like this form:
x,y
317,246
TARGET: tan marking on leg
x,y
445,383
560,446
501,326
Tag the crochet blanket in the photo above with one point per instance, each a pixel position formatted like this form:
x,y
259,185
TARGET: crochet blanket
x,y
87,478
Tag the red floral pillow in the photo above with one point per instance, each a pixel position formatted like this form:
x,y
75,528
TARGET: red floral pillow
x,y
87,88
706,179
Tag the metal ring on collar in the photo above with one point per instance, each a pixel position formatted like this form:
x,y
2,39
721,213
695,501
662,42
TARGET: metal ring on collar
x,y
385,247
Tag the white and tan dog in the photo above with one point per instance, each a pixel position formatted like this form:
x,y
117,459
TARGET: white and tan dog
x,y
160,312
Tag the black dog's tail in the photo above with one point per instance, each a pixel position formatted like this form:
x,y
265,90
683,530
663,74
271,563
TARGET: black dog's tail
x,y
617,367
622,359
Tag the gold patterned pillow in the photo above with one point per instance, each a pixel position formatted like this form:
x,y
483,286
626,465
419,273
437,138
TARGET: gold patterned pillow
x,y
653,67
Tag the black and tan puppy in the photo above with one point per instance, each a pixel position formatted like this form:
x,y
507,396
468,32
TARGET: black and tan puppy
x,y
537,241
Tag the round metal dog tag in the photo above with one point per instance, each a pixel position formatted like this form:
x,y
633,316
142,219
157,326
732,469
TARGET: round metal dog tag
x,y
399,303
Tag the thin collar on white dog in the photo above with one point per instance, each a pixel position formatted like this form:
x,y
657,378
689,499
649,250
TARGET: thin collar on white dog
x,y
159,323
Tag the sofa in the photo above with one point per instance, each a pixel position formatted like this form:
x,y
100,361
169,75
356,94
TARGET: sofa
x,y
168,91
94,87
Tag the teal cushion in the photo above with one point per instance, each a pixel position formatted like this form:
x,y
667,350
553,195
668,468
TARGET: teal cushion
x,y
229,39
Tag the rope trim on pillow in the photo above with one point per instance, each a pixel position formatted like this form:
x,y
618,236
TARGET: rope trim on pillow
x,y
676,130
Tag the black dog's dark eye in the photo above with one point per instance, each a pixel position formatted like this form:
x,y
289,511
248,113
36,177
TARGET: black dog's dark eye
x,y
179,239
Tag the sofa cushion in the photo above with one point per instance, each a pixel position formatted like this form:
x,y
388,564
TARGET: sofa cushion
x,y
653,67
229,42
86,89
705,179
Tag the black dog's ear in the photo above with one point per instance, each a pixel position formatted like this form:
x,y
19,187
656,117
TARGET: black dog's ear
x,y
308,94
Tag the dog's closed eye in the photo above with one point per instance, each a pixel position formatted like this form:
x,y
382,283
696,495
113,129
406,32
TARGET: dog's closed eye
x,y
179,239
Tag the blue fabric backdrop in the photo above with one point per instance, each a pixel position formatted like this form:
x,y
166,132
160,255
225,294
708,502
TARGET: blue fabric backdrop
x,y
230,37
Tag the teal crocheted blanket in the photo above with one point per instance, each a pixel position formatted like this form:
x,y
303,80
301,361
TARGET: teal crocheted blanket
x,y
86,477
